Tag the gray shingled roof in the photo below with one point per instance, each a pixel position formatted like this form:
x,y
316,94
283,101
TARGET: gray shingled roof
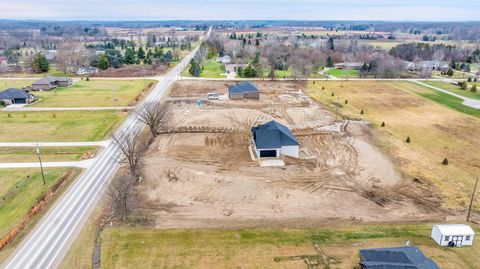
x,y
243,87
408,257
14,94
273,135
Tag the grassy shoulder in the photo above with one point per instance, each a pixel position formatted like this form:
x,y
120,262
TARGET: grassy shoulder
x,y
454,89
436,132
95,93
210,69
48,154
126,247
21,188
58,126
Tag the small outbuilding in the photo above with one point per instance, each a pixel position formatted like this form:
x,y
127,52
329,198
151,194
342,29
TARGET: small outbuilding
x,y
16,96
273,139
242,90
453,235
407,257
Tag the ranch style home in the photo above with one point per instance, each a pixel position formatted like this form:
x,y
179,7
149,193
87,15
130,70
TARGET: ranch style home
x,y
16,96
49,82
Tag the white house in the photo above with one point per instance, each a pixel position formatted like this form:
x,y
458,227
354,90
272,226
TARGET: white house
x,y
226,59
453,235
272,140
87,70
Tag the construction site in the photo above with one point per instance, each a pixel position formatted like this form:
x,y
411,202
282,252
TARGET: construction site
x,y
202,173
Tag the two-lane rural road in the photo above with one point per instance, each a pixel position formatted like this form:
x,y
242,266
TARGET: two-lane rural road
x,y
49,241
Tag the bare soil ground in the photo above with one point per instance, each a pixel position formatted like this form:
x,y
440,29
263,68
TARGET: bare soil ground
x,y
202,175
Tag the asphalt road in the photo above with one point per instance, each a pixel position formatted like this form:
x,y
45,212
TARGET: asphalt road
x,y
46,245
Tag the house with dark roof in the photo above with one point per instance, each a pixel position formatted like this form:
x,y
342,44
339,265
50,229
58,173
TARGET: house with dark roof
x,y
408,257
243,90
16,96
273,139
49,82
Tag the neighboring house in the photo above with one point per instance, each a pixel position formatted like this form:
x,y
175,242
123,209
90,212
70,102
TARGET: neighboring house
x,y
243,90
16,96
49,82
233,68
87,70
453,235
273,139
225,59
408,257
355,66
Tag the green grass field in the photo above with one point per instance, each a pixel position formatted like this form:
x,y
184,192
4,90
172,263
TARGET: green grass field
x,y
94,93
58,126
48,154
127,247
339,73
211,69
454,89
20,189
14,83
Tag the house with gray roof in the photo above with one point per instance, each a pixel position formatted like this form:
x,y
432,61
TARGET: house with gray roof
x,y
16,96
50,82
407,257
243,90
273,139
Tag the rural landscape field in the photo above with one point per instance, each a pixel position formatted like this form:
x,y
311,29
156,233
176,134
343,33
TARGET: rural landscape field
x,y
239,134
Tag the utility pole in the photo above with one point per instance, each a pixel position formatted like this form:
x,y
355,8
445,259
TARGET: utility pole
x,y
471,200
41,165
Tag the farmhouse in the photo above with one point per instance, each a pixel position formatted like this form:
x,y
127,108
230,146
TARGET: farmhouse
x,y
16,96
395,258
243,90
49,82
453,235
87,70
272,139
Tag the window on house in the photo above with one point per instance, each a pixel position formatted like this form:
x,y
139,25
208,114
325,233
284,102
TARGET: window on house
x,y
467,238
447,238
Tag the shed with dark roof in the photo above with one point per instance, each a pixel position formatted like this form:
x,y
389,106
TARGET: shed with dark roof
x,y
274,139
243,90
407,257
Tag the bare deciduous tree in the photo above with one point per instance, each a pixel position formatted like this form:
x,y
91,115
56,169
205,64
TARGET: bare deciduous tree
x,y
119,192
155,116
132,149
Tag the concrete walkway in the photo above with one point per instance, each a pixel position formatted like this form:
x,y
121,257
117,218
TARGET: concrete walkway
x,y
81,164
473,103
103,143
27,108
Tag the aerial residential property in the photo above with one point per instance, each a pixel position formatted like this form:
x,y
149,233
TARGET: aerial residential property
x,y
239,134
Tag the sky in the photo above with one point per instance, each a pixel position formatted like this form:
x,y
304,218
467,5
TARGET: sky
x,y
387,10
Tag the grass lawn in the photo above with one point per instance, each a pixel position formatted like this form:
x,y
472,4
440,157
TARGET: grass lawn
x,y
455,89
48,154
19,190
58,126
340,73
95,93
14,83
127,247
436,131
211,69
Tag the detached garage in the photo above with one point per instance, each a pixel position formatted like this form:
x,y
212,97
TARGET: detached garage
x,y
453,235
272,140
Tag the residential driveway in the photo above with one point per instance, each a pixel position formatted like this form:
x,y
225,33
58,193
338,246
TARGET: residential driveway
x,y
473,103
26,108
81,164
103,143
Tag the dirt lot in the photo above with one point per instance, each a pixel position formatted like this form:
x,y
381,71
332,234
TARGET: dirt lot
x,y
203,175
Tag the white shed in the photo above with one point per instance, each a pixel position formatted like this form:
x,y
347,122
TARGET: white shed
x,y
453,235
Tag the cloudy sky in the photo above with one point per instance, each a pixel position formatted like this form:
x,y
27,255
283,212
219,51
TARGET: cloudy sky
x,y
418,10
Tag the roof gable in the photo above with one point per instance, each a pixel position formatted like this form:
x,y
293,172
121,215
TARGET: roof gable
x,y
245,86
14,94
273,135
